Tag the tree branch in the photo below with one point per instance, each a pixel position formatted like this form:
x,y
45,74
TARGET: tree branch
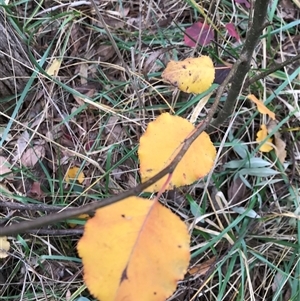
x,y
69,213
237,74
252,38
24,227
271,70
30,207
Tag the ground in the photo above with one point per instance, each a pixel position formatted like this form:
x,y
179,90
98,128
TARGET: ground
x,y
105,88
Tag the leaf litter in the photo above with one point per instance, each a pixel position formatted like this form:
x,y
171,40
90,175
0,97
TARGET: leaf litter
x,y
115,92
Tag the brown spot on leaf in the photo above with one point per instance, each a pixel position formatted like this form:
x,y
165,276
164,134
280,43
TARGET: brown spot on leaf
x,y
124,275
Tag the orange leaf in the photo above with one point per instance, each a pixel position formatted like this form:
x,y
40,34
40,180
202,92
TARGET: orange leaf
x,y
262,135
192,75
261,107
136,249
74,174
160,144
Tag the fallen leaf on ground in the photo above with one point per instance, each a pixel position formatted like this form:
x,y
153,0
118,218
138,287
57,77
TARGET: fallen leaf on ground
x,y
83,73
22,143
277,281
221,72
35,191
262,135
32,155
160,144
200,105
53,69
141,253
4,246
151,63
5,171
199,33
87,90
236,191
7,137
74,173
113,130
105,52
232,31
261,107
280,148
192,75
201,269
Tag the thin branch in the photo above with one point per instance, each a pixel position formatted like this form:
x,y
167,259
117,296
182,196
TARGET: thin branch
x,y
238,72
271,70
30,207
252,38
69,213
56,232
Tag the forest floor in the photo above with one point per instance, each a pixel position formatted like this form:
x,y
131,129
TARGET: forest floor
x,y
76,141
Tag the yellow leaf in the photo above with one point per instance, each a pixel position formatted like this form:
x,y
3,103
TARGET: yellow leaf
x,y
262,135
160,144
4,246
53,69
135,249
192,75
74,174
82,217
261,107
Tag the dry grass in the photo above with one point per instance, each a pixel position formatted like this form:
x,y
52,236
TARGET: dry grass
x,y
92,115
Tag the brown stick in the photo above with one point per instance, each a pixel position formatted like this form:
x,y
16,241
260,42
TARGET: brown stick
x,y
31,207
271,70
56,232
